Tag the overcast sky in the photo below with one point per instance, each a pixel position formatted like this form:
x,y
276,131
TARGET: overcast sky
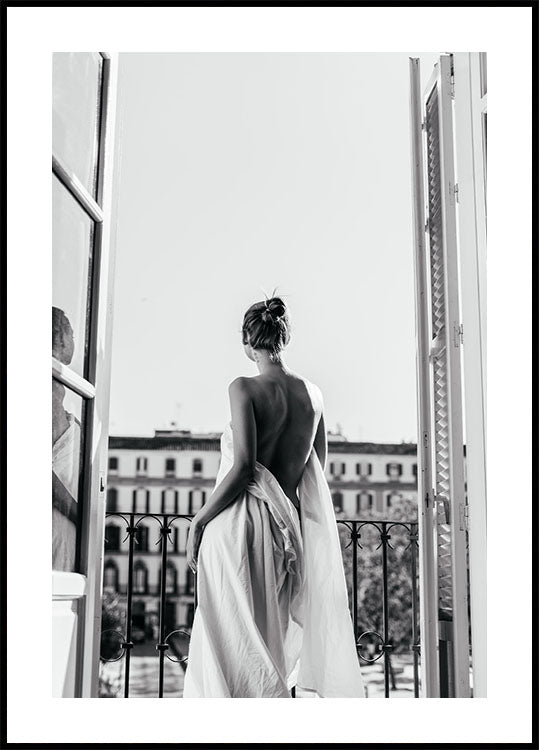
x,y
245,172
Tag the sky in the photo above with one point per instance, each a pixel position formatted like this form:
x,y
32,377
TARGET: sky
x,y
240,173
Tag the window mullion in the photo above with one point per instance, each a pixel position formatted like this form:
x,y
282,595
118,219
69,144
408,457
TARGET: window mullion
x,y
77,189
69,377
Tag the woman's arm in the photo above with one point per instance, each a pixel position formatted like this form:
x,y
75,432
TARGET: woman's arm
x,y
242,471
321,442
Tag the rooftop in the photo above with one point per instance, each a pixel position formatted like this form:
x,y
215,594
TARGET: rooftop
x,y
185,440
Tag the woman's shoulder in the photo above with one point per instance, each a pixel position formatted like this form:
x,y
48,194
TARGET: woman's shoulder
x,y
239,386
315,393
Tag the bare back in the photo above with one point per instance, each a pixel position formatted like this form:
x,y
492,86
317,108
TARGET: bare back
x,y
287,412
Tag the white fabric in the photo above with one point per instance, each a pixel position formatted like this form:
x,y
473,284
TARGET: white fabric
x,y
272,601
65,456
65,464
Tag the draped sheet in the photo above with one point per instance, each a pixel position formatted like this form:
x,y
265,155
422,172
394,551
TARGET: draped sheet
x,y
272,601
65,464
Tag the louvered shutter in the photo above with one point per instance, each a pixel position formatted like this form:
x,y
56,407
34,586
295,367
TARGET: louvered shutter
x,y
440,450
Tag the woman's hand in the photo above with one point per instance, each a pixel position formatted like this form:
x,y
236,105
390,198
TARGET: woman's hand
x,y
193,543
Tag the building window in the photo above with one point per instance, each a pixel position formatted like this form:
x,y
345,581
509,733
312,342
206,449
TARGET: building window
x,y
337,469
338,502
140,578
112,499
110,576
393,498
169,501
414,470
363,501
170,467
171,578
364,470
394,470
141,538
141,500
142,465
197,466
175,539
197,498
113,463
112,538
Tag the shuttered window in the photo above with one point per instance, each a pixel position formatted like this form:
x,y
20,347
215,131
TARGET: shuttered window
x,y
441,486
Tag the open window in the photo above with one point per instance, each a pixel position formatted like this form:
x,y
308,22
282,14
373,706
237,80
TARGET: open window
x,y
84,104
448,306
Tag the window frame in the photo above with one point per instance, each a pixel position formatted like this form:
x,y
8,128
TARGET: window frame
x,y
95,386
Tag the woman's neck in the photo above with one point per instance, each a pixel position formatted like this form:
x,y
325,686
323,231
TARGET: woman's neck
x,y
267,364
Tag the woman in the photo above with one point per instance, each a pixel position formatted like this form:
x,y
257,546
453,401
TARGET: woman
x,y
272,601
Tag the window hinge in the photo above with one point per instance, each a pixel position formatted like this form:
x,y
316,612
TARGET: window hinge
x,y
427,225
458,334
456,191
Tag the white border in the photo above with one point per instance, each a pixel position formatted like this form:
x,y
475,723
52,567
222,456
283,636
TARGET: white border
x,y
505,33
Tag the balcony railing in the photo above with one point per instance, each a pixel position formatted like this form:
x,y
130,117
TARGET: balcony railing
x,y
380,559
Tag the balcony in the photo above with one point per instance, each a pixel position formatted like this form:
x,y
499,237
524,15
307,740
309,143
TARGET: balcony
x,y
146,624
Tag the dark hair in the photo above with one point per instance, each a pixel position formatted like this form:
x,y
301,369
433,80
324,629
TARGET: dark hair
x,y
266,325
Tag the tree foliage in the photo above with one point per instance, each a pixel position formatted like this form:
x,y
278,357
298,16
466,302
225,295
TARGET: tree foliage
x,y
370,573
112,620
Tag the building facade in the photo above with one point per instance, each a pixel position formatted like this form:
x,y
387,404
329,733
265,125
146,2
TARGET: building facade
x,y
174,473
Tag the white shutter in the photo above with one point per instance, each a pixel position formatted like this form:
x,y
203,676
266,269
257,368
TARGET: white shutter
x,y
443,567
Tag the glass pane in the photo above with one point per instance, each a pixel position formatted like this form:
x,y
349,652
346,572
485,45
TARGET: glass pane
x,y
72,235
67,453
76,93
483,72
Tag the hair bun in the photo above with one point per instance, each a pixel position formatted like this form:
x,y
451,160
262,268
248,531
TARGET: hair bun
x,y
276,307
266,325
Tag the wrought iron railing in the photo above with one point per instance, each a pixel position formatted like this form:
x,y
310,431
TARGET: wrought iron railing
x,y
382,531
374,638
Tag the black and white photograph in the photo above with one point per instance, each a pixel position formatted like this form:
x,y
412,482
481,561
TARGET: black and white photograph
x,y
268,276
265,536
